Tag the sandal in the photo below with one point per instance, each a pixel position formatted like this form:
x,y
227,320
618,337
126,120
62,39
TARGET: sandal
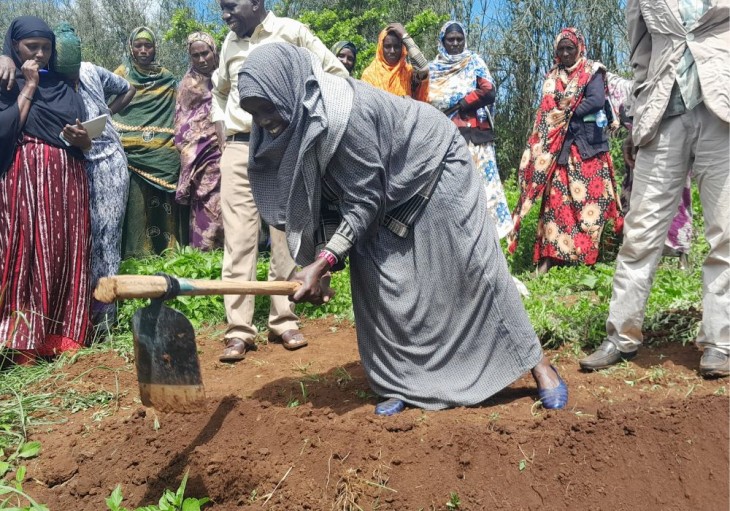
x,y
291,339
389,407
236,350
556,398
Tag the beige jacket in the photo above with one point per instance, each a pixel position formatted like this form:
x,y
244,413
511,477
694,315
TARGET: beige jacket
x,y
658,39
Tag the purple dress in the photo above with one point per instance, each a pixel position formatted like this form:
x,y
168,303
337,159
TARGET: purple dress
x,y
200,177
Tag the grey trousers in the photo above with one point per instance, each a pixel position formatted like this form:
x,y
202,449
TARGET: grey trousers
x,y
240,250
697,139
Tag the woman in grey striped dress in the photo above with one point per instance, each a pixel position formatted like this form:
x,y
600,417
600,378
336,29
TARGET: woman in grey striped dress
x,y
348,170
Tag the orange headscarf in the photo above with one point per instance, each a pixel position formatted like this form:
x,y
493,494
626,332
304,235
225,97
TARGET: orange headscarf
x,y
395,79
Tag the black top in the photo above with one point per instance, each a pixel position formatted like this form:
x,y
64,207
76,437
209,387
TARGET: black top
x,y
590,139
55,103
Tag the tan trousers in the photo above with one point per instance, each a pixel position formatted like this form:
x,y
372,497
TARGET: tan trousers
x,y
697,139
240,252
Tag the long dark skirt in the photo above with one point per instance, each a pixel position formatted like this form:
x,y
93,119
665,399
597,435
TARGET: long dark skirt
x,y
44,251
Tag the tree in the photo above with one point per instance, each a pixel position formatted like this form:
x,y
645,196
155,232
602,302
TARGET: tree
x,y
515,37
363,28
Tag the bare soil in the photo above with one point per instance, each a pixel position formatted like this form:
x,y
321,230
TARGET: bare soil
x,y
296,431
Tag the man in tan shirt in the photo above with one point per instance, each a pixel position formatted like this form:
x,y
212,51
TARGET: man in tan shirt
x,y
681,110
251,26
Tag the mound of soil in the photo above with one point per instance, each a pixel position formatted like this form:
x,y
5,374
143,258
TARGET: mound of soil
x,y
296,431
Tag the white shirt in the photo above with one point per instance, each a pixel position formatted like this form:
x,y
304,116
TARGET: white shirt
x,y
235,51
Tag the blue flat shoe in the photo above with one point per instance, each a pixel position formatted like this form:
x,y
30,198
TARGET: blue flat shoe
x,y
554,399
389,407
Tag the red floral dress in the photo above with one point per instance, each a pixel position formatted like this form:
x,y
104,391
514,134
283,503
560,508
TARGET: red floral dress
x,y
579,198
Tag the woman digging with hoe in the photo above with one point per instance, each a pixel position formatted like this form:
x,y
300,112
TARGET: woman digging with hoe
x,y
349,170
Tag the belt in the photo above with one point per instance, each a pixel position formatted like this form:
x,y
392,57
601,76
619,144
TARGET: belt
x,y
238,137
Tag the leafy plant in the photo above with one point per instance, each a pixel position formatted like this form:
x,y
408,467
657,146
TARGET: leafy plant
x,y
184,22
16,491
182,262
170,501
25,450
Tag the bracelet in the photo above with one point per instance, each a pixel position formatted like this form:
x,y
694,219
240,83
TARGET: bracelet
x,y
329,257
26,97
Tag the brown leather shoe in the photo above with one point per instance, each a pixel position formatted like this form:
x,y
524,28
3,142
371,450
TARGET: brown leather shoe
x,y
236,350
291,339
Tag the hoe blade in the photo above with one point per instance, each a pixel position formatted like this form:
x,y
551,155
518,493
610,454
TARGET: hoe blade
x,y
166,356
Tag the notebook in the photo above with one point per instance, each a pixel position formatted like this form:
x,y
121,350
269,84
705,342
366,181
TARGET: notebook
x,y
94,127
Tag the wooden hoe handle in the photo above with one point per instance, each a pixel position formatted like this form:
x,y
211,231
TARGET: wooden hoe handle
x,y
121,287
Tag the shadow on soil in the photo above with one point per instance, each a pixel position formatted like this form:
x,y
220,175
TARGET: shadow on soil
x,y
344,389
341,390
171,475
657,352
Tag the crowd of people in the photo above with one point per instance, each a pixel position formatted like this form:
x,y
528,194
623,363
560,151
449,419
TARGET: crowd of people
x,y
395,172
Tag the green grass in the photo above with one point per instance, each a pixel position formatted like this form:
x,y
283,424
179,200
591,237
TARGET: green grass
x,y
569,305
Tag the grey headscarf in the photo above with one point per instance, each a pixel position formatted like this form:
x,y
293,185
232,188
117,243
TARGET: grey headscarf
x,y
285,172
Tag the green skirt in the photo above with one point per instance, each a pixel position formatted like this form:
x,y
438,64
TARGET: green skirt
x,y
154,222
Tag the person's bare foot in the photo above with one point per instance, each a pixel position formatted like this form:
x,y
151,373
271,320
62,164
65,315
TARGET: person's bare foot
x,y
544,374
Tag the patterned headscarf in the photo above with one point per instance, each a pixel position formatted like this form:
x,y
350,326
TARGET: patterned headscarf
x,y
576,37
285,172
340,45
562,90
454,76
203,37
68,50
146,34
395,79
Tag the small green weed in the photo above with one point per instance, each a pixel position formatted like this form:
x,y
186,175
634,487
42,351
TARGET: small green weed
x,y
295,401
253,496
170,501
656,374
24,451
20,497
305,370
454,501
75,401
342,377
364,394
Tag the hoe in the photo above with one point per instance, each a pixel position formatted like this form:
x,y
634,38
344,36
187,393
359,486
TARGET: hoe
x,y
166,356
